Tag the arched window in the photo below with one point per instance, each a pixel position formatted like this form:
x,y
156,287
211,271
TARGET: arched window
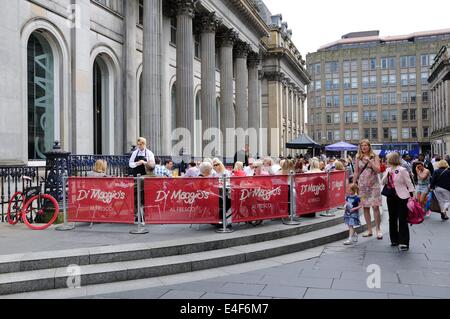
x,y
217,120
218,127
41,104
174,106
140,104
103,105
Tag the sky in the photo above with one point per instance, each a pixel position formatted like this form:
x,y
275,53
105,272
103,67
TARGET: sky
x,y
318,22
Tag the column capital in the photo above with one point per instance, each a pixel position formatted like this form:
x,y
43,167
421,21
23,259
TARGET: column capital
x,y
242,49
208,23
254,60
274,76
186,7
227,38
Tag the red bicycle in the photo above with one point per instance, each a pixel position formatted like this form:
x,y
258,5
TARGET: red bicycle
x,y
37,210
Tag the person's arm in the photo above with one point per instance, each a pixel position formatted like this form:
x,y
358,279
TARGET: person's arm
x,y
356,173
150,156
408,182
360,206
375,164
132,164
434,180
384,180
423,175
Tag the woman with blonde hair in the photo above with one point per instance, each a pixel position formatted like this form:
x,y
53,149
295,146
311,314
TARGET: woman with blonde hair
x,y
338,166
441,186
100,168
314,166
219,168
397,178
259,169
367,168
267,165
287,167
238,170
140,157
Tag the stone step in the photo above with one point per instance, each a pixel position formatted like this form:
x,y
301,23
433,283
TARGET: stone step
x,y
56,278
118,253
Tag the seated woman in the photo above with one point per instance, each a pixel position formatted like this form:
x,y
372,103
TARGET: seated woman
x,y
100,169
219,168
287,167
205,170
239,170
259,170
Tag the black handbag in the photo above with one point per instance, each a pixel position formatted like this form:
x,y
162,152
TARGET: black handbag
x,y
389,189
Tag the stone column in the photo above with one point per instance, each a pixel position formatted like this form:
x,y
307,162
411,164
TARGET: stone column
x,y
13,91
291,114
151,78
82,112
241,51
227,116
302,113
185,70
275,120
254,100
295,114
208,27
130,98
286,116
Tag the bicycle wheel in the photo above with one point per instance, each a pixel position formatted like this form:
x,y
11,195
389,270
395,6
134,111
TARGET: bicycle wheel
x,y
15,208
38,209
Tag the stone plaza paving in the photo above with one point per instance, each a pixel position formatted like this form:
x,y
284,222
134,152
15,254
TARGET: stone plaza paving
x,y
337,273
330,271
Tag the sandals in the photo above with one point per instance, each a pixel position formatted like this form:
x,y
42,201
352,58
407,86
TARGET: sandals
x,y
379,236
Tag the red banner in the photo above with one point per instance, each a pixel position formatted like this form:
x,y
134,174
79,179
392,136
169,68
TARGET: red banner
x,y
101,200
337,189
181,201
311,193
259,198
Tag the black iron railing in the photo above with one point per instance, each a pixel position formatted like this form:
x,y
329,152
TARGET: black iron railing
x,y
81,165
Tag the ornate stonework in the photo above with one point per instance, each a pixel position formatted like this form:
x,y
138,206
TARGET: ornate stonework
x,y
274,76
254,59
209,23
227,38
241,50
186,7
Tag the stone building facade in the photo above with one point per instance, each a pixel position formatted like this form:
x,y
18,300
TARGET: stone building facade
x,y
96,74
368,86
440,103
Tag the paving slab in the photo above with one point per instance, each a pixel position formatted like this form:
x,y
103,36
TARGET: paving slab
x,y
278,291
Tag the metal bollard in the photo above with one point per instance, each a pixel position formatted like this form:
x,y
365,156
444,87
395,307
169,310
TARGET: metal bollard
x,y
225,229
292,221
66,226
140,229
328,213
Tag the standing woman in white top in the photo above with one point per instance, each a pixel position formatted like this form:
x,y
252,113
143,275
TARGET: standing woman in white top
x,y
140,157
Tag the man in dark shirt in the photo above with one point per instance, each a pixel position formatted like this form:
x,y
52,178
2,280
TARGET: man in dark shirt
x,y
242,156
